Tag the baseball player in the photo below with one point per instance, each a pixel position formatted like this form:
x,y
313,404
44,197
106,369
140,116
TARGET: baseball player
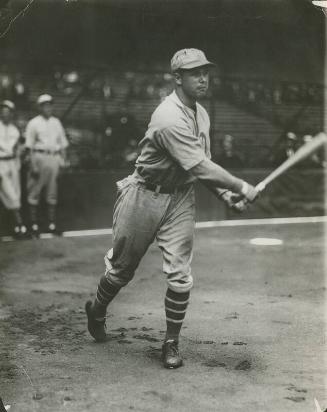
x,y
46,142
10,188
157,201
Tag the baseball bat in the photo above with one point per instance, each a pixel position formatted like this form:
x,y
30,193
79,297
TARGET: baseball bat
x,y
302,153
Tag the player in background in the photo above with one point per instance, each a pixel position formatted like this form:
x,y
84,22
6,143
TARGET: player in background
x,y
46,142
157,201
10,187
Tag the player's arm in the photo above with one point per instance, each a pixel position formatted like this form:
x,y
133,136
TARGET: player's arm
x,y
186,150
29,143
63,140
62,144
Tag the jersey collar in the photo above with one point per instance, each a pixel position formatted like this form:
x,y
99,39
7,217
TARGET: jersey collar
x,y
173,96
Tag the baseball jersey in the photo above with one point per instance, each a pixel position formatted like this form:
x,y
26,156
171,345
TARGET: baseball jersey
x,y
177,139
9,136
45,134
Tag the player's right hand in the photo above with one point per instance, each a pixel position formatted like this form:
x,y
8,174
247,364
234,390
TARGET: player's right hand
x,y
249,192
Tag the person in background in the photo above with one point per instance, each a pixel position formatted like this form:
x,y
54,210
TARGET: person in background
x,y
287,149
46,142
229,158
10,187
316,160
119,129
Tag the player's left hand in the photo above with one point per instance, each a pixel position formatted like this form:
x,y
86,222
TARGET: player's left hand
x,y
233,201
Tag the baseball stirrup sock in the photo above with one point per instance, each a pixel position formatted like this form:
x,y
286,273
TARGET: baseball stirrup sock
x,y
17,217
33,214
175,306
51,213
105,293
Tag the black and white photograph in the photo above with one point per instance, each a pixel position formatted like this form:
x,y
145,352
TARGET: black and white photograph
x,y
163,205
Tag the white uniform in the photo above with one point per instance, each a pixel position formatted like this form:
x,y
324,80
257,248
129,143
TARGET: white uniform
x,y
46,139
10,189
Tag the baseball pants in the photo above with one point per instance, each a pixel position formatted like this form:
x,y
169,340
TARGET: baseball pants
x,y
47,166
10,188
142,216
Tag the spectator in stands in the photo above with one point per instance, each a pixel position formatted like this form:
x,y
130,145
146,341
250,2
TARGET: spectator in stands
x,y
71,80
229,158
277,94
5,84
119,129
316,160
107,89
131,152
286,149
20,92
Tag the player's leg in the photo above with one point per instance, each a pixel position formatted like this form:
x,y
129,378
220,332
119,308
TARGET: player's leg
x,y
36,178
137,215
175,239
51,192
20,228
10,196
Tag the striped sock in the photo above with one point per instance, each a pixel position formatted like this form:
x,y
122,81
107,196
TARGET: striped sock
x,y
175,306
105,293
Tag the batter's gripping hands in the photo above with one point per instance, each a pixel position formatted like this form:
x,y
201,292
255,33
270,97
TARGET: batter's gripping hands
x,y
229,198
241,201
249,192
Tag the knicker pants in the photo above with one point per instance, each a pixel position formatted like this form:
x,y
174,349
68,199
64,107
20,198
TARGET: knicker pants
x,y
140,217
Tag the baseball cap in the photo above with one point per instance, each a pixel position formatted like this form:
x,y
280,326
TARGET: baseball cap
x,y
291,136
189,59
9,104
44,98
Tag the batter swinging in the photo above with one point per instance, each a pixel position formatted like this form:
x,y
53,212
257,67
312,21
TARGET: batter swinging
x,y
157,201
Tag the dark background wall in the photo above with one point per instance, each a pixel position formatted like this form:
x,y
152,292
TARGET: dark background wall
x,y
268,38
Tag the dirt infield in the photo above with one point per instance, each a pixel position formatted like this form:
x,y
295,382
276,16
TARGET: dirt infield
x,y
254,337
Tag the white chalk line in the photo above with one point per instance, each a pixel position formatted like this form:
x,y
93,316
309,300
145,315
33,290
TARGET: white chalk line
x,y
199,225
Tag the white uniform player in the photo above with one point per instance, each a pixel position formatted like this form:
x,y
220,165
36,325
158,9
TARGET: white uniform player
x,y
157,201
10,188
46,142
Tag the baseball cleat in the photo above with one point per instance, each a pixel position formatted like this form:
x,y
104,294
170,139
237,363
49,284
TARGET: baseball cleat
x,y
52,228
35,231
170,355
20,232
97,328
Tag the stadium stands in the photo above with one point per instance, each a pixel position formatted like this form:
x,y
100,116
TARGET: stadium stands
x,y
255,111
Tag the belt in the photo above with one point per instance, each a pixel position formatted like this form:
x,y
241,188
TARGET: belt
x,y
163,189
7,158
49,152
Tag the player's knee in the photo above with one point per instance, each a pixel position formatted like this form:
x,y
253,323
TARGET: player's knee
x,y
120,280
181,284
119,273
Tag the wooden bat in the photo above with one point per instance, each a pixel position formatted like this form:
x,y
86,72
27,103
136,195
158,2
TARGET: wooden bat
x,y
302,153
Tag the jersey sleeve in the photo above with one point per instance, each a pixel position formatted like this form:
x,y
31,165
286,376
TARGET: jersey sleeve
x,y
30,135
184,147
63,139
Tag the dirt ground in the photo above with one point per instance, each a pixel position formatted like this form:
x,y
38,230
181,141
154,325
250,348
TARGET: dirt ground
x,y
254,338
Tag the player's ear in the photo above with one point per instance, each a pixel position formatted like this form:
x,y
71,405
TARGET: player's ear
x,y
178,78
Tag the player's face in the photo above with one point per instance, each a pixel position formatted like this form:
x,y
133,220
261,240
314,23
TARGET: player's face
x,y
6,114
46,109
195,82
